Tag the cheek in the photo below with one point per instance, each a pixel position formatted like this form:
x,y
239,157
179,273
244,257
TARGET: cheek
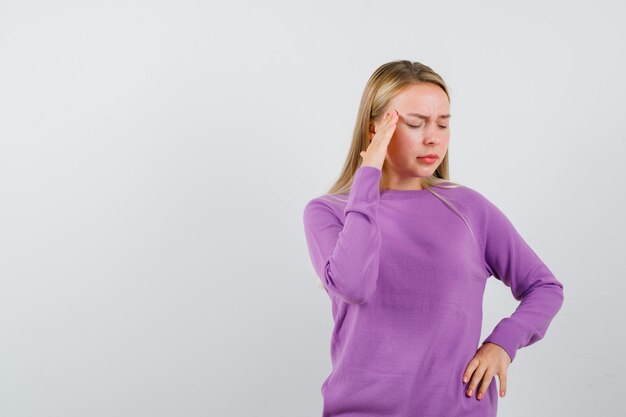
x,y
403,140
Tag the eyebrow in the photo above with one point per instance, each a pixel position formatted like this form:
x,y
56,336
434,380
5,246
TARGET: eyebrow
x,y
441,116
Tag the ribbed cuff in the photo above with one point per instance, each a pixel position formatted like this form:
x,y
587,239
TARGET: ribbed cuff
x,y
506,335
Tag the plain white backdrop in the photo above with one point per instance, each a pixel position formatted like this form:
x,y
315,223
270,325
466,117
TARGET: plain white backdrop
x,y
156,156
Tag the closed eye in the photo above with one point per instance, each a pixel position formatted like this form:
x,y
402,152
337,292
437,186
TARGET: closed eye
x,y
418,126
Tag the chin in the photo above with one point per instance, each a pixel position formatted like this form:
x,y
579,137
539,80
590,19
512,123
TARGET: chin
x,y
424,171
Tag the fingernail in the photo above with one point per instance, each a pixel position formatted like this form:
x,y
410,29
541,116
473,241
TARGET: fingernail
x,y
469,392
464,379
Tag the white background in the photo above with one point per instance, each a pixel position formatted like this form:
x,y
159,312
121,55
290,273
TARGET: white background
x,y
156,156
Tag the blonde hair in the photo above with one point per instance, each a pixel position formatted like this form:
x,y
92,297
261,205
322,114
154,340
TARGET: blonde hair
x,y
385,83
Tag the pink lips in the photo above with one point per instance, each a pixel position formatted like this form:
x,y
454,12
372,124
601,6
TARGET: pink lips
x,y
427,159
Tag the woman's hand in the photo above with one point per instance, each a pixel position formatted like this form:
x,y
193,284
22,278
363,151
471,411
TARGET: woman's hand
x,y
490,360
377,149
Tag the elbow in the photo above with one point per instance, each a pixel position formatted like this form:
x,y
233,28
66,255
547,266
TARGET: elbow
x,y
548,288
559,295
352,288
557,289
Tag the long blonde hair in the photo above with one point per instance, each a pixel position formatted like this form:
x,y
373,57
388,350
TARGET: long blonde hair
x,y
385,83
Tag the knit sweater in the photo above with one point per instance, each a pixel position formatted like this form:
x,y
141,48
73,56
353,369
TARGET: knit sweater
x,y
406,277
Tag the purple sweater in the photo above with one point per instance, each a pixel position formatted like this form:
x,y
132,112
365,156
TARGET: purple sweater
x,y
406,278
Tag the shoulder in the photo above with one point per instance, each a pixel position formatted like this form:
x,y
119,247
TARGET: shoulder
x,y
472,203
325,205
332,201
463,194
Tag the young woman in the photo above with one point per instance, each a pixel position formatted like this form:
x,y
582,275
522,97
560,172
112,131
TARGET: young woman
x,y
404,255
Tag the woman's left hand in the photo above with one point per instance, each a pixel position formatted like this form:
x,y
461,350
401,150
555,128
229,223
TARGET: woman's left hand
x,y
490,360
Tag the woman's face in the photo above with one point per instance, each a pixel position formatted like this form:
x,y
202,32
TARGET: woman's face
x,y
416,136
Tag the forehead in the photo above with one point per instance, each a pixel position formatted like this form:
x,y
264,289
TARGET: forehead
x,y
425,98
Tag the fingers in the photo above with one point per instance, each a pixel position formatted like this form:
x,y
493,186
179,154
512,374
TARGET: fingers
x,y
471,366
485,381
387,125
475,380
391,118
481,378
375,153
502,379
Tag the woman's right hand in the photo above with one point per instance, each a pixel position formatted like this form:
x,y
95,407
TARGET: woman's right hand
x,y
377,149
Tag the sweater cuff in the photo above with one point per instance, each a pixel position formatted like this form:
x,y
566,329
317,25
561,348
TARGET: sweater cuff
x,y
505,335
365,185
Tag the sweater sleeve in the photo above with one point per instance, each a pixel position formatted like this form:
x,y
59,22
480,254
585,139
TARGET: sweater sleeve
x,y
346,256
511,260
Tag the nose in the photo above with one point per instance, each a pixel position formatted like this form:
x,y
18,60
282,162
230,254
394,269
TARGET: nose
x,y
431,139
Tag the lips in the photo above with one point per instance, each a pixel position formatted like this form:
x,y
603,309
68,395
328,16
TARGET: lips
x,y
428,159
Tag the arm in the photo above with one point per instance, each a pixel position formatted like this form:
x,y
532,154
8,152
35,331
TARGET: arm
x,y
346,256
511,260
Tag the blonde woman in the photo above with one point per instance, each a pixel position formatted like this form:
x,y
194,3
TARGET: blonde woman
x,y
404,255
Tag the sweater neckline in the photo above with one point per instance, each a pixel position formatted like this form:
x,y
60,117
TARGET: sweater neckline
x,y
402,194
